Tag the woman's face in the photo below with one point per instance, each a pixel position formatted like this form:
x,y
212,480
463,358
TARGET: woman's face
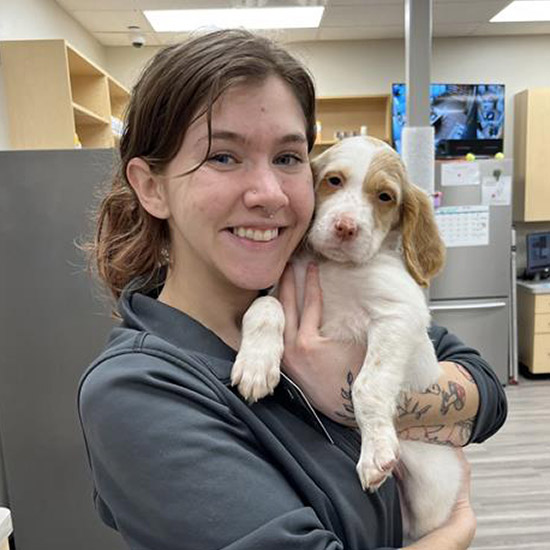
x,y
236,220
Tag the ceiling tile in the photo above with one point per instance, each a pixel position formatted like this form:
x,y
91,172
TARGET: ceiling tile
x,y
495,29
111,20
455,12
82,5
361,33
366,16
182,4
454,29
122,39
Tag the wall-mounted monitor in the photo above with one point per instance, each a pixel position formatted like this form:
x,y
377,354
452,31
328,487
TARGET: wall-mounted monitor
x,y
538,255
466,118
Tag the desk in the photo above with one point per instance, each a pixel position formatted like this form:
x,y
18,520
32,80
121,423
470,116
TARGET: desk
x,y
533,301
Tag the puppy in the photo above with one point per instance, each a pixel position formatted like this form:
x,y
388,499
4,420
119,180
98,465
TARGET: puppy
x,y
376,242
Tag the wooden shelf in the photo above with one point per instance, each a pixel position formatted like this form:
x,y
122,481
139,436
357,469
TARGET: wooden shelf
x,y
86,117
119,98
348,113
53,92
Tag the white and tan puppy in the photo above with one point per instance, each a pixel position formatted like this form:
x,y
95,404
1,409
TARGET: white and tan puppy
x,y
376,242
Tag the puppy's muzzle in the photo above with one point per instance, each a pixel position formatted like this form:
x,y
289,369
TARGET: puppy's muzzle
x,y
345,228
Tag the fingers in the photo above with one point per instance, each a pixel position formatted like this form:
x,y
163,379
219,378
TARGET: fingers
x,y
287,297
313,302
464,491
310,321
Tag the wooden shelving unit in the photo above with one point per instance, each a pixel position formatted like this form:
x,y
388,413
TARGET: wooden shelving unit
x,y
531,158
348,114
54,92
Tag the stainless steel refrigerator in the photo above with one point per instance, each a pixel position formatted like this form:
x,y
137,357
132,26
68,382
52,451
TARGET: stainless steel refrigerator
x,y
51,326
471,297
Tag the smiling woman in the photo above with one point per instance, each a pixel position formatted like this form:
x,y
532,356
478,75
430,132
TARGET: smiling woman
x,y
235,219
213,194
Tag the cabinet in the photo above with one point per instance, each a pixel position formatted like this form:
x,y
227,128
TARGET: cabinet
x,y
53,92
348,114
532,155
534,327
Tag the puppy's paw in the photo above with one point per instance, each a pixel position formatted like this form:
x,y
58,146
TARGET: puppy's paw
x,y
378,459
256,375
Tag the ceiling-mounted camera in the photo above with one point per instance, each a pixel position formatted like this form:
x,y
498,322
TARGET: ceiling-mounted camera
x,y
137,38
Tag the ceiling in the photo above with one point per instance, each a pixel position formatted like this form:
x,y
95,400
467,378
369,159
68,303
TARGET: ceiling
x,y
108,20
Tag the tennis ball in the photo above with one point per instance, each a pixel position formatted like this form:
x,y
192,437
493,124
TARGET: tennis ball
x,y
470,156
499,156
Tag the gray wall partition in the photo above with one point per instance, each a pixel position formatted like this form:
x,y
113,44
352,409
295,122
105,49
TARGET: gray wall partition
x,y
52,324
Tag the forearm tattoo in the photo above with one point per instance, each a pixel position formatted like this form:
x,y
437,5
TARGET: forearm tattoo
x,y
454,397
347,412
416,408
413,408
457,434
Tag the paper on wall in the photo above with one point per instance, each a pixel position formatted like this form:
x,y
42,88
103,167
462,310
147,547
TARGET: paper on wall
x,y
463,225
460,173
496,191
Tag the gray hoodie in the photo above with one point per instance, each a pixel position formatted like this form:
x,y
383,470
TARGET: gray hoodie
x,y
181,462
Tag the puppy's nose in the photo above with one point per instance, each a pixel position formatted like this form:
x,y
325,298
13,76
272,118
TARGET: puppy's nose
x,y
345,228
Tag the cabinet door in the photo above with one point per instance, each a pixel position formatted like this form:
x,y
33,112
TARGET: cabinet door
x,y
481,324
537,166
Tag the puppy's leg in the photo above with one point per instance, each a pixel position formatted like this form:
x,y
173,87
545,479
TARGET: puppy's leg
x,y
374,396
256,371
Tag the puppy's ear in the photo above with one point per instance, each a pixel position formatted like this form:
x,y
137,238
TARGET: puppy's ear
x,y
318,165
423,248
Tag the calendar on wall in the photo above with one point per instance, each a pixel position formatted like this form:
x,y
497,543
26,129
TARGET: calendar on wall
x,y
463,225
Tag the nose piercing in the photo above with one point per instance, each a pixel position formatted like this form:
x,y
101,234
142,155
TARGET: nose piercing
x,y
269,213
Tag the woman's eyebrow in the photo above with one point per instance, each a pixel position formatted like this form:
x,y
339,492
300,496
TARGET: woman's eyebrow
x,y
294,138
225,134
234,136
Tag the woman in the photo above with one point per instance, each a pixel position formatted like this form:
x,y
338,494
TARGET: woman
x,y
213,194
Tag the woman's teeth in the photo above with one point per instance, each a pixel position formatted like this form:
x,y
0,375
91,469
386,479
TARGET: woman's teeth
x,y
256,234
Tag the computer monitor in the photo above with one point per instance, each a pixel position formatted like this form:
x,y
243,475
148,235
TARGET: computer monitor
x,y
538,255
467,118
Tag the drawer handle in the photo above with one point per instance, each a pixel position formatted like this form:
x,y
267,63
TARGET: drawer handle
x,y
451,307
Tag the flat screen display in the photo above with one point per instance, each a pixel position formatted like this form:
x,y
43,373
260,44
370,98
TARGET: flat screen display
x,y
538,253
458,112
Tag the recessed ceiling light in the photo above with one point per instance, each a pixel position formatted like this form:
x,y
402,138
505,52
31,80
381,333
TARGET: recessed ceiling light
x,y
249,18
524,10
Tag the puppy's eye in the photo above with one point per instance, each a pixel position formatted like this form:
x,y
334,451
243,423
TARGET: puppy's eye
x,y
385,197
334,181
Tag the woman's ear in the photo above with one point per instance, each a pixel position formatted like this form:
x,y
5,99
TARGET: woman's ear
x,y
149,189
423,248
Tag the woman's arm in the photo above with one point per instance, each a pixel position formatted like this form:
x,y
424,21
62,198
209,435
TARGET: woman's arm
x,y
174,468
444,413
467,404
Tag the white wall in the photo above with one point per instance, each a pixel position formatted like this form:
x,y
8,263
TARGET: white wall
x,y
519,62
34,19
369,67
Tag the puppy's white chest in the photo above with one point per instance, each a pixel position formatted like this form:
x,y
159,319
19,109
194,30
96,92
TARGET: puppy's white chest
x,y
345,313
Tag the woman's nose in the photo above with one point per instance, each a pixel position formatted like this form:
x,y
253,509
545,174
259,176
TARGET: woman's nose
x,y
265,190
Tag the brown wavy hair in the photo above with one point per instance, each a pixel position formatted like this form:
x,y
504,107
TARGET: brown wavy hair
x,y
178,85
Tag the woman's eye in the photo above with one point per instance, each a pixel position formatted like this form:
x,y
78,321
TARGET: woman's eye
x,y
334,181
288,159
222,158
385,197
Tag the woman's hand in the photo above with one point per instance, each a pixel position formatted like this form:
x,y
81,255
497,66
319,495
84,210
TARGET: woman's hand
x,y
323,368
458,531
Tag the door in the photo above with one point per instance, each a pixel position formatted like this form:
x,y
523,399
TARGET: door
x,y
481,324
